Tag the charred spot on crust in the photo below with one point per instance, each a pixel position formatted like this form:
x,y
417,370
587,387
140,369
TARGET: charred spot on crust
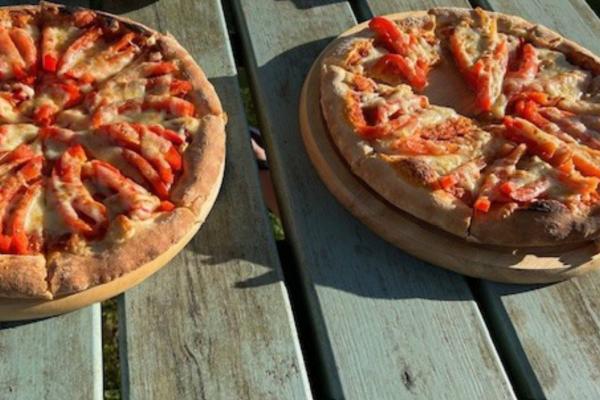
x,y
546,206
416,171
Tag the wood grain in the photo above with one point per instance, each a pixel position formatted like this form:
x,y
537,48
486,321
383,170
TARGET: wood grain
x,y
216,323
556,326
55,358
387,325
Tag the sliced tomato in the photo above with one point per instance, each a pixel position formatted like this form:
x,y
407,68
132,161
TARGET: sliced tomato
x,y
482,204
538,142
584,165
137,200
180,87
158,68
5,242
49,63
388,33
173,105
415,73
73,200
166,205
148,172
526,193
168,134
447,182
44,114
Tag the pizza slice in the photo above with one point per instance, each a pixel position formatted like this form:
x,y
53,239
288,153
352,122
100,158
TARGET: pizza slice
x,y
393,53
22,265
417,156
481,54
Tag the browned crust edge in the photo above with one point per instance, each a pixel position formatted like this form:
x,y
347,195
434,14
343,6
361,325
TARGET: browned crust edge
x,y
23,277
71,273
544,223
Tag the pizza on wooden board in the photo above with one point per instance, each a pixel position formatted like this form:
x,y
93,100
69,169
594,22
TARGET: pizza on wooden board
x,y
480,123
112,147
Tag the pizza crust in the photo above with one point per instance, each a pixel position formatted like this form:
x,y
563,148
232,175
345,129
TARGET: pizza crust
x,y
23,277
108,260
544,223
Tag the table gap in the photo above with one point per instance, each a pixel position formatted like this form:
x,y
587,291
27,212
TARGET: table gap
x,y
361,10
481,3
110,350
508,346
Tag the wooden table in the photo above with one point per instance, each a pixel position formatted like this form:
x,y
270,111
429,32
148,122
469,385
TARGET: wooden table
x,y
342,314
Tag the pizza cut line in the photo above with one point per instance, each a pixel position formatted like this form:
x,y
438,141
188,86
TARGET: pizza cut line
x,y
112,148
480,123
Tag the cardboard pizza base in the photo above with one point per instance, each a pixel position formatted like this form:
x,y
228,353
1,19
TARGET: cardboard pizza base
x,y
418,238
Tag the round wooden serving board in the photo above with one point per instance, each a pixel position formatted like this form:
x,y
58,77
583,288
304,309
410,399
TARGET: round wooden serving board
x,y
418,238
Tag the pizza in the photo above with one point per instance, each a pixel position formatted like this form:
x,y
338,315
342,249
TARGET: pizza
x,y
112,147
482,124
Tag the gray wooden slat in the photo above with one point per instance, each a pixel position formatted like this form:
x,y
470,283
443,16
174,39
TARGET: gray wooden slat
x,y
557,327
216,322
381,7
387,325
57,358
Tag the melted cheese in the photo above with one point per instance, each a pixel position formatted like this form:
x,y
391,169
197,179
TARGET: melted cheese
x,y
12,136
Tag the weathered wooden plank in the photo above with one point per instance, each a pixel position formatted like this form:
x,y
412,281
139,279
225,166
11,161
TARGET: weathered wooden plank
x,y
216,323
387,325
381,7
557,327
57,358
54,358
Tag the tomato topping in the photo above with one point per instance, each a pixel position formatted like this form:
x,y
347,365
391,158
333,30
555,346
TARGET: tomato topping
x,y
414,72
447,181
388,33
5,242
166,205
173,105
180,88
49,63
148,172
173,158
168,134
44,114
159,68
482,204
585,165
540,143
73,93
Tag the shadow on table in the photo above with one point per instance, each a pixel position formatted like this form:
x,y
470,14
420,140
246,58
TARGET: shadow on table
x,y
305,4
122,7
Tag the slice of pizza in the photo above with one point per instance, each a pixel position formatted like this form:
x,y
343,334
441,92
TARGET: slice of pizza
x,y
481,54
393,53
531,195
417,156
22,264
